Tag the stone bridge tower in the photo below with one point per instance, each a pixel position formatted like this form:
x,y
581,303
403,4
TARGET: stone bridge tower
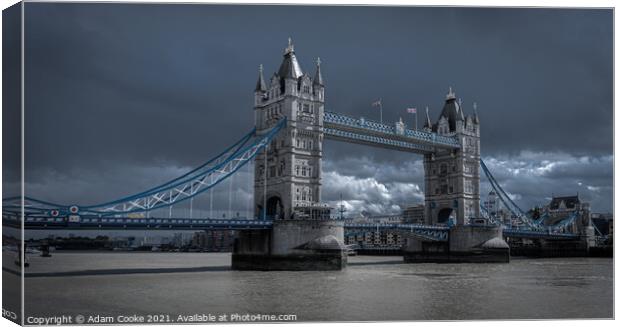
x,y
290,174
452,177
287,182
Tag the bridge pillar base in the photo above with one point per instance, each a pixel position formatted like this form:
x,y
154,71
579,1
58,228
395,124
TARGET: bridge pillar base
x,y
292,245
466,244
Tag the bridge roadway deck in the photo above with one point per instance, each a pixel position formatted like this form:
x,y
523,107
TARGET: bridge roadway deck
x,y
436,233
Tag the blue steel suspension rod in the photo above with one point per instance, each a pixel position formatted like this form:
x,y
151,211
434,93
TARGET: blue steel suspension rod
x,y
179,180
498,187
239,144
488,215
505,198
501,196
264,140
243,160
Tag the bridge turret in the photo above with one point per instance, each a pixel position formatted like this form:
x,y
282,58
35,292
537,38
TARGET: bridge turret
x,y
452,179
476,119
292,169
290,71
453,113
261,87
318,87
287,179
460,121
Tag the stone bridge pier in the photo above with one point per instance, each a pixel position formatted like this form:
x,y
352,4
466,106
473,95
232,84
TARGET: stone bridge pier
x,y
287,184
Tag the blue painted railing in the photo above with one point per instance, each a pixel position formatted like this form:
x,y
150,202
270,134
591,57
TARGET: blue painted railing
x,y
377,140
376,127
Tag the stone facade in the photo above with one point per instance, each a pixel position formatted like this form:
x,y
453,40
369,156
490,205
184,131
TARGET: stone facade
x,y
562,207
452,177
414,214
288,176
292,167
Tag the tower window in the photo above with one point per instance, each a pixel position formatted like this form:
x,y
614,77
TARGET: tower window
x,y
444,189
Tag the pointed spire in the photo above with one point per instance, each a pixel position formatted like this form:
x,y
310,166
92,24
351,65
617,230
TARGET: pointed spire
x,y
260,84
427,123
290,48
450,94
290,67
476,120
460,109
318,78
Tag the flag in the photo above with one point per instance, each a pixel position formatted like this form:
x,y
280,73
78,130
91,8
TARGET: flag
x,y
377,103
412,110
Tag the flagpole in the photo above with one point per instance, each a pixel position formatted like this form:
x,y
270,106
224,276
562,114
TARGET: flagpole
x,y
416,119
380,111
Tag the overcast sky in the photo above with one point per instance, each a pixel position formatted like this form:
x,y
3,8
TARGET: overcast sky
x,y
120,97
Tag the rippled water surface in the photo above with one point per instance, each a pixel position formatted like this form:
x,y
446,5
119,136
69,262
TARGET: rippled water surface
x,y
371,288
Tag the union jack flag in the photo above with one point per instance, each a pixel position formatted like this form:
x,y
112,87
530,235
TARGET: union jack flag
x,y
412,110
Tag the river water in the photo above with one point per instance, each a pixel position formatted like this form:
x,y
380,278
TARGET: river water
x,y
371,288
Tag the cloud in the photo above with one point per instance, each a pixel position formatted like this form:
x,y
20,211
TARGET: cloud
x,y
369,194
114,107
532,177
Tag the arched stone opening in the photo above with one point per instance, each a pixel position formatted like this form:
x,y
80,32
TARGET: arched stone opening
x,y
445,214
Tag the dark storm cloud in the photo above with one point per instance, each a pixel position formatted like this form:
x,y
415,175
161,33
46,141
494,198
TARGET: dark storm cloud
x,y
120,97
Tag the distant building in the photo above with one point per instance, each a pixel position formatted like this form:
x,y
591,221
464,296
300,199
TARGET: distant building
x,y
414,214
180,240
213,241
375,239
379,219
563,207
492,203
496,209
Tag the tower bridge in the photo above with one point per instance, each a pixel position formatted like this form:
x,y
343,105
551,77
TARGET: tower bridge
x,y
292,228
